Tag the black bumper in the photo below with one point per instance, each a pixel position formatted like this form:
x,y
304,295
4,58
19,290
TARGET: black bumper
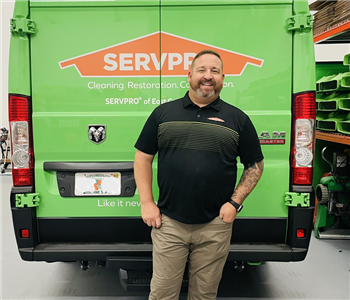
x,y
129,255
127,240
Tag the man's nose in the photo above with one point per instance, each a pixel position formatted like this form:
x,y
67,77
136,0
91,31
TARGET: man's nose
x,y
208,75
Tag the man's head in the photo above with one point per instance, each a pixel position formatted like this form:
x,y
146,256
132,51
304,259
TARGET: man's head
x,y
206,77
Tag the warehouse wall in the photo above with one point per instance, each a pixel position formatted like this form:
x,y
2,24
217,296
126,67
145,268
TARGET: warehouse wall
x,y
6,11
326,53
323,53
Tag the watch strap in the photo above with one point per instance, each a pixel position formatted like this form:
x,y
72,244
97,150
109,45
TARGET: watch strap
x,y
237,206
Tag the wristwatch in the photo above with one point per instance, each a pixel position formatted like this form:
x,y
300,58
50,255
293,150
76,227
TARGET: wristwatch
x,y
237,206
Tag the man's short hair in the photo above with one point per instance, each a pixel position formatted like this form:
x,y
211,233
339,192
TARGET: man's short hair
x,y
207,51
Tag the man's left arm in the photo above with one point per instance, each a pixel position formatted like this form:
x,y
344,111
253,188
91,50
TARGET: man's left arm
x,y
248,181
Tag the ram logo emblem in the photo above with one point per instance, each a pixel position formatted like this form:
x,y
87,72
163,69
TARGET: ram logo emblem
x,y
97,133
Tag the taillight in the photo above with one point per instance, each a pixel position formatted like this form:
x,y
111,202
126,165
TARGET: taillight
x,y
303,138
22,156
25,233
300,233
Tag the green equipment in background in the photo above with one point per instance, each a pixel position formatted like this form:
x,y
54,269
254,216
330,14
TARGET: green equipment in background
x,y
333,195
333,102
338,82
346,61
331,121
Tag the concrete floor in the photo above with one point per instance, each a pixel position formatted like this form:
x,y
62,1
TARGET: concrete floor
x,y
323,275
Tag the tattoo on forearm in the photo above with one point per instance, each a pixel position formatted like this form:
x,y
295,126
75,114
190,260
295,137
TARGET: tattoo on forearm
x,y
249,180
258,165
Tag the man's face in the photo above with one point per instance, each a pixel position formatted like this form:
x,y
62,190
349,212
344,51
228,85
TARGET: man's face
x,y
206,77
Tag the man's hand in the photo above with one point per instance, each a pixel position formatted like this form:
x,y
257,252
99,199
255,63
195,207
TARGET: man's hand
x,y
228,213
151,214
143,175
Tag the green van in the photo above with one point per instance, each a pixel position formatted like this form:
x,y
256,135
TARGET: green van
x,y
85,75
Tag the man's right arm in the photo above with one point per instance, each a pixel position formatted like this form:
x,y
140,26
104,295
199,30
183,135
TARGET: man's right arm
x,y
143,176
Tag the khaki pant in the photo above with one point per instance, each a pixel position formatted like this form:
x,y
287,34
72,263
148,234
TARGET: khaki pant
x,y
206,247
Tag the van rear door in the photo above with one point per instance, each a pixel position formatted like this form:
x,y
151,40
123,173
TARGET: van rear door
x,y
88,110
256,49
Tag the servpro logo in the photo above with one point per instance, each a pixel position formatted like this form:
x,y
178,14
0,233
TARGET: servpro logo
x,y
140,58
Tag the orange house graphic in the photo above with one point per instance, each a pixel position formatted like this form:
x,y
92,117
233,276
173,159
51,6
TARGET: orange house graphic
x,y
152,55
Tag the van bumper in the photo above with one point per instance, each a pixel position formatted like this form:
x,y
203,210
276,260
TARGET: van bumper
x,y
133,255
94,239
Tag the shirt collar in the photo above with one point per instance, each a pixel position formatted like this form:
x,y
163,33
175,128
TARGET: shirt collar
x,y
186,101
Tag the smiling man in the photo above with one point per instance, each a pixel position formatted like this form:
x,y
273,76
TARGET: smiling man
x,y
198,139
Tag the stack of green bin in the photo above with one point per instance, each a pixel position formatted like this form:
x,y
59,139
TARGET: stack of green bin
x,y
333,101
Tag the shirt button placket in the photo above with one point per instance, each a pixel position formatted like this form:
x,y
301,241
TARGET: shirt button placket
x,y
199,113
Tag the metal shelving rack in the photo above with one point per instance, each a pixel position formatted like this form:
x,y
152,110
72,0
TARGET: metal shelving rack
x,y
333,137
337,34
334,35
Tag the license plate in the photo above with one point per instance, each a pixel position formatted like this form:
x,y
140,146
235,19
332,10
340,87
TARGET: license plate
x,y
97,184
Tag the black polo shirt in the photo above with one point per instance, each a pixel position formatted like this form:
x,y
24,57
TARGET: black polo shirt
x,y
197,155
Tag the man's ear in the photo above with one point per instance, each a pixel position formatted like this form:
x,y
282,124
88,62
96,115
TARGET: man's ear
x,y
189,76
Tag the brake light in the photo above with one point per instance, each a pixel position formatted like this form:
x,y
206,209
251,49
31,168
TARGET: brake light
x,y
300,233
303,138
25,233
22,155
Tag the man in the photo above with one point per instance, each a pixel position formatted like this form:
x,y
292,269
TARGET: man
x,y
198,139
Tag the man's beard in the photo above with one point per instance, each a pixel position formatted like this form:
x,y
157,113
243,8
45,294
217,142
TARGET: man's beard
x,y
197,89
